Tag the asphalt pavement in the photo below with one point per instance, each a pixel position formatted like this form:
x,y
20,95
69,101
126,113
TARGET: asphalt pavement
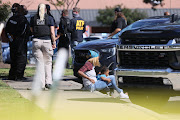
x,y
72,103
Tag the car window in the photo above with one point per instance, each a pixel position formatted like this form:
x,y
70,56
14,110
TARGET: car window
x,y
91,38
147,23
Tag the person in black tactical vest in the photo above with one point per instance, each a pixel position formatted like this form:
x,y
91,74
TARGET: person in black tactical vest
x,y
63,32
42,27
17,30
119,23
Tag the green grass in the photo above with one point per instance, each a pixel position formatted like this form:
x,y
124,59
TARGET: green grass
x,y
70,61
30,71
68,72
14,107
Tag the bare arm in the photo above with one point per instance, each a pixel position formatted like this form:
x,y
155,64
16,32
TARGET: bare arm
x,y
85,76
58,36
106,79
31,29
53,37
115,31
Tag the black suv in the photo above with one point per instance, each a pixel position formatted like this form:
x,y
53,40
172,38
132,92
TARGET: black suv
x,y
106,48
149,62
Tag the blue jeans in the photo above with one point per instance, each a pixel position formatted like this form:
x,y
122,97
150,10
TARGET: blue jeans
x,y
73,44
113,83
99,85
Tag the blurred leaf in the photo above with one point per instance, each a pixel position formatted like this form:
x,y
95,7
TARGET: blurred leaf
x,y
4,10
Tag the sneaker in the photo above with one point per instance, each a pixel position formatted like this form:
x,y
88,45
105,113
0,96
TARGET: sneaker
x,y
48,86
122,95
92,87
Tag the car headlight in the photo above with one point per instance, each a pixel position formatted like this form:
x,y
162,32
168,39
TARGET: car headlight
x,y
109,50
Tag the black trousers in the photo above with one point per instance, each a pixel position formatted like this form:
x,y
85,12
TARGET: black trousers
x,y
18,55
64,42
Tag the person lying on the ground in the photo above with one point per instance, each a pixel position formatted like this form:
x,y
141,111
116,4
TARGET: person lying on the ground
x,y
110,81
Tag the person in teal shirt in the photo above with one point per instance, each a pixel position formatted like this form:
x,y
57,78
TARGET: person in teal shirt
x,y
109,80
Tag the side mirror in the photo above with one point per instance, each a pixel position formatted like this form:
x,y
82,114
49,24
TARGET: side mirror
x,y
174,17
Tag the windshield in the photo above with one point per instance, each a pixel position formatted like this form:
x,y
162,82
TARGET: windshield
x,y
177,22
141,23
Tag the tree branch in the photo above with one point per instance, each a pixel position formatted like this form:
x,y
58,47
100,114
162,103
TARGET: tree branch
x,y
77,3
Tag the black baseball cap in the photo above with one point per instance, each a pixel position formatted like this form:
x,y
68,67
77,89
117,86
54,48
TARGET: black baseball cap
x,y
118,9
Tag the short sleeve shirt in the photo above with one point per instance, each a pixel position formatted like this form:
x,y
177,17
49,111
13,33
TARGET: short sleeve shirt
x,y
99,76
118,23
87,67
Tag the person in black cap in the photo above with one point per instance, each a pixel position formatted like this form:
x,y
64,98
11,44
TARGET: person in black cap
x,y
119,23
17,30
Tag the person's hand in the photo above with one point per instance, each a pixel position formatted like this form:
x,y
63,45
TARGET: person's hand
x,y
109,80
56,38
109,37
92,80
53,46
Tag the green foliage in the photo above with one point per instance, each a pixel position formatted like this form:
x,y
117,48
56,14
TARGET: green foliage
x,y
106,16
4,10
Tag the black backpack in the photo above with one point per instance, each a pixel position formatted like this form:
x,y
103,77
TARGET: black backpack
x,y
64,25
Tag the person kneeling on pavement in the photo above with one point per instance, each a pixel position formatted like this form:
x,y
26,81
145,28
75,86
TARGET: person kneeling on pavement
x,y
90,82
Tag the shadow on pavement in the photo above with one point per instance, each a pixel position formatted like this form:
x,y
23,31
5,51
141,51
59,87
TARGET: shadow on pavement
x,y
75,90
75,79
171,107
106,100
